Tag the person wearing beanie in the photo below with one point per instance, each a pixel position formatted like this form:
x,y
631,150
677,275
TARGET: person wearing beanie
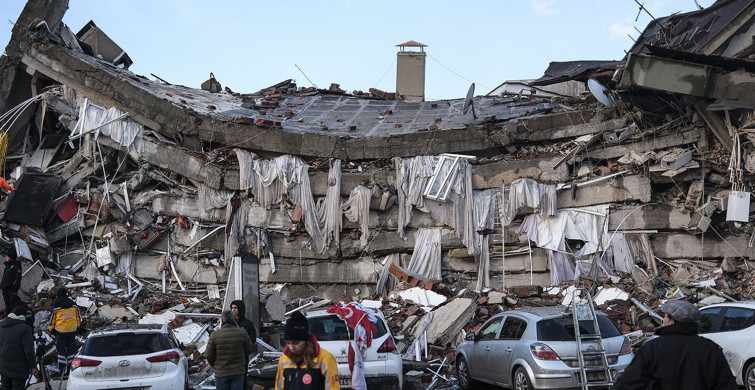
x,y
227,352
64,322
678,358
17,359
304,365
11,281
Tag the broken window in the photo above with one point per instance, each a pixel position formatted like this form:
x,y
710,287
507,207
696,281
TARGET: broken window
x,y
444,176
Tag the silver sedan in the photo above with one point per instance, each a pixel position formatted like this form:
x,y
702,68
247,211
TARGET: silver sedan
x,y
536,349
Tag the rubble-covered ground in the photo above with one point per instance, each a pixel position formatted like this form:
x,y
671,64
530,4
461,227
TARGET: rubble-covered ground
x,y
155,202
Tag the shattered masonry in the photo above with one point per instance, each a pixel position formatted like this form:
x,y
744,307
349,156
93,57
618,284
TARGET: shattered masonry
x,y
352,195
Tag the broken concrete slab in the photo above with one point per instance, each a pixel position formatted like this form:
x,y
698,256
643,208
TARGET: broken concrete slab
x,y
449,320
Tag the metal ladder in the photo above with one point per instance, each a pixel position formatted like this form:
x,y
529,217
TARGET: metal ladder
x,y
585,311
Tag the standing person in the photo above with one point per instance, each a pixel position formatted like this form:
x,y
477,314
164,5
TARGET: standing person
x,y
64,322
239,313
304,365
11,281
17,358
226,352
15,301
678,358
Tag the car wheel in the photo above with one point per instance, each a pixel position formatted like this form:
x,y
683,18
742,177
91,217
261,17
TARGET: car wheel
x,y
521,380
462,370
749,378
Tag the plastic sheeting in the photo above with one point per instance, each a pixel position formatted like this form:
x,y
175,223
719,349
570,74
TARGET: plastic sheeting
x,y
562,267
123,131
426,257
483,219
623,261
210,198
357,209
595,269
528,193
412,176
588,224
270,180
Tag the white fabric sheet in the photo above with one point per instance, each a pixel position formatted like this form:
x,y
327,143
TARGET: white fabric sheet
x,y
577,224
210,198
270,180
483,205
412,176
123,131
357,209
527,193
426,257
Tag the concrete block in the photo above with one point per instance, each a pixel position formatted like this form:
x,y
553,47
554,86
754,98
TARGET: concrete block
x,y
449,319
111,313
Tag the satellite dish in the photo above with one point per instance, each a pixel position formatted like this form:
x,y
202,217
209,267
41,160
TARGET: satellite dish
x,y
468,102
601,93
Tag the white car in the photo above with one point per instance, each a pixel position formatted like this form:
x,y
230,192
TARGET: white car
x,y
383,363
732,326
130,357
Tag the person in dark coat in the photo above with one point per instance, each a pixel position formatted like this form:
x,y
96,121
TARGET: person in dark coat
x,y
238,308
227,352
17,358
15,301
11,281
678,358
239,313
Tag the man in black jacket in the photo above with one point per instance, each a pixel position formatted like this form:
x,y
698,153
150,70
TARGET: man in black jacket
x,y
678,358
239,313
17,358
11,281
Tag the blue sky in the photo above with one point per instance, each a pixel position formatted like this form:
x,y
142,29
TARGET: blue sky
x,y
249,45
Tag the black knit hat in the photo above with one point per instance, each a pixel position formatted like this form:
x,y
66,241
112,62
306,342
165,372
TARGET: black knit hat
x,y
297,328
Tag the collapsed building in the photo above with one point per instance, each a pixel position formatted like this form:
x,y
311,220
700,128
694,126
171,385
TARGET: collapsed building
x,y
639,168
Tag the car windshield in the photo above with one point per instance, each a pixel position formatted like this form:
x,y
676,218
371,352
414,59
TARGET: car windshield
x,y
124,344
562,328
332,328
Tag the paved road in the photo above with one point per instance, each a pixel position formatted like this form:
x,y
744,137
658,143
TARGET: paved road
x,y
41,386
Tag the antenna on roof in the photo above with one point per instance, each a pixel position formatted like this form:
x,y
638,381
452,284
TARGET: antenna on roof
x,y
468,102
305,76
601,93
642,8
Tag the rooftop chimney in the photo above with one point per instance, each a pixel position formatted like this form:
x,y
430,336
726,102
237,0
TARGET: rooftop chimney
x,y
410,72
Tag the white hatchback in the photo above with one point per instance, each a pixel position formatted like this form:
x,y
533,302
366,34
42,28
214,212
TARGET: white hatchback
x,y
383,363
142,357
731,325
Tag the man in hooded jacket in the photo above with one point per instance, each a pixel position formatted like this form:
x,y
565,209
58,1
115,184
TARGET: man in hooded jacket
x,y
17,358
239,313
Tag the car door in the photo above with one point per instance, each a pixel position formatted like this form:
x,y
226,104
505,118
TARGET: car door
x,y
481,365
733,333
502,353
